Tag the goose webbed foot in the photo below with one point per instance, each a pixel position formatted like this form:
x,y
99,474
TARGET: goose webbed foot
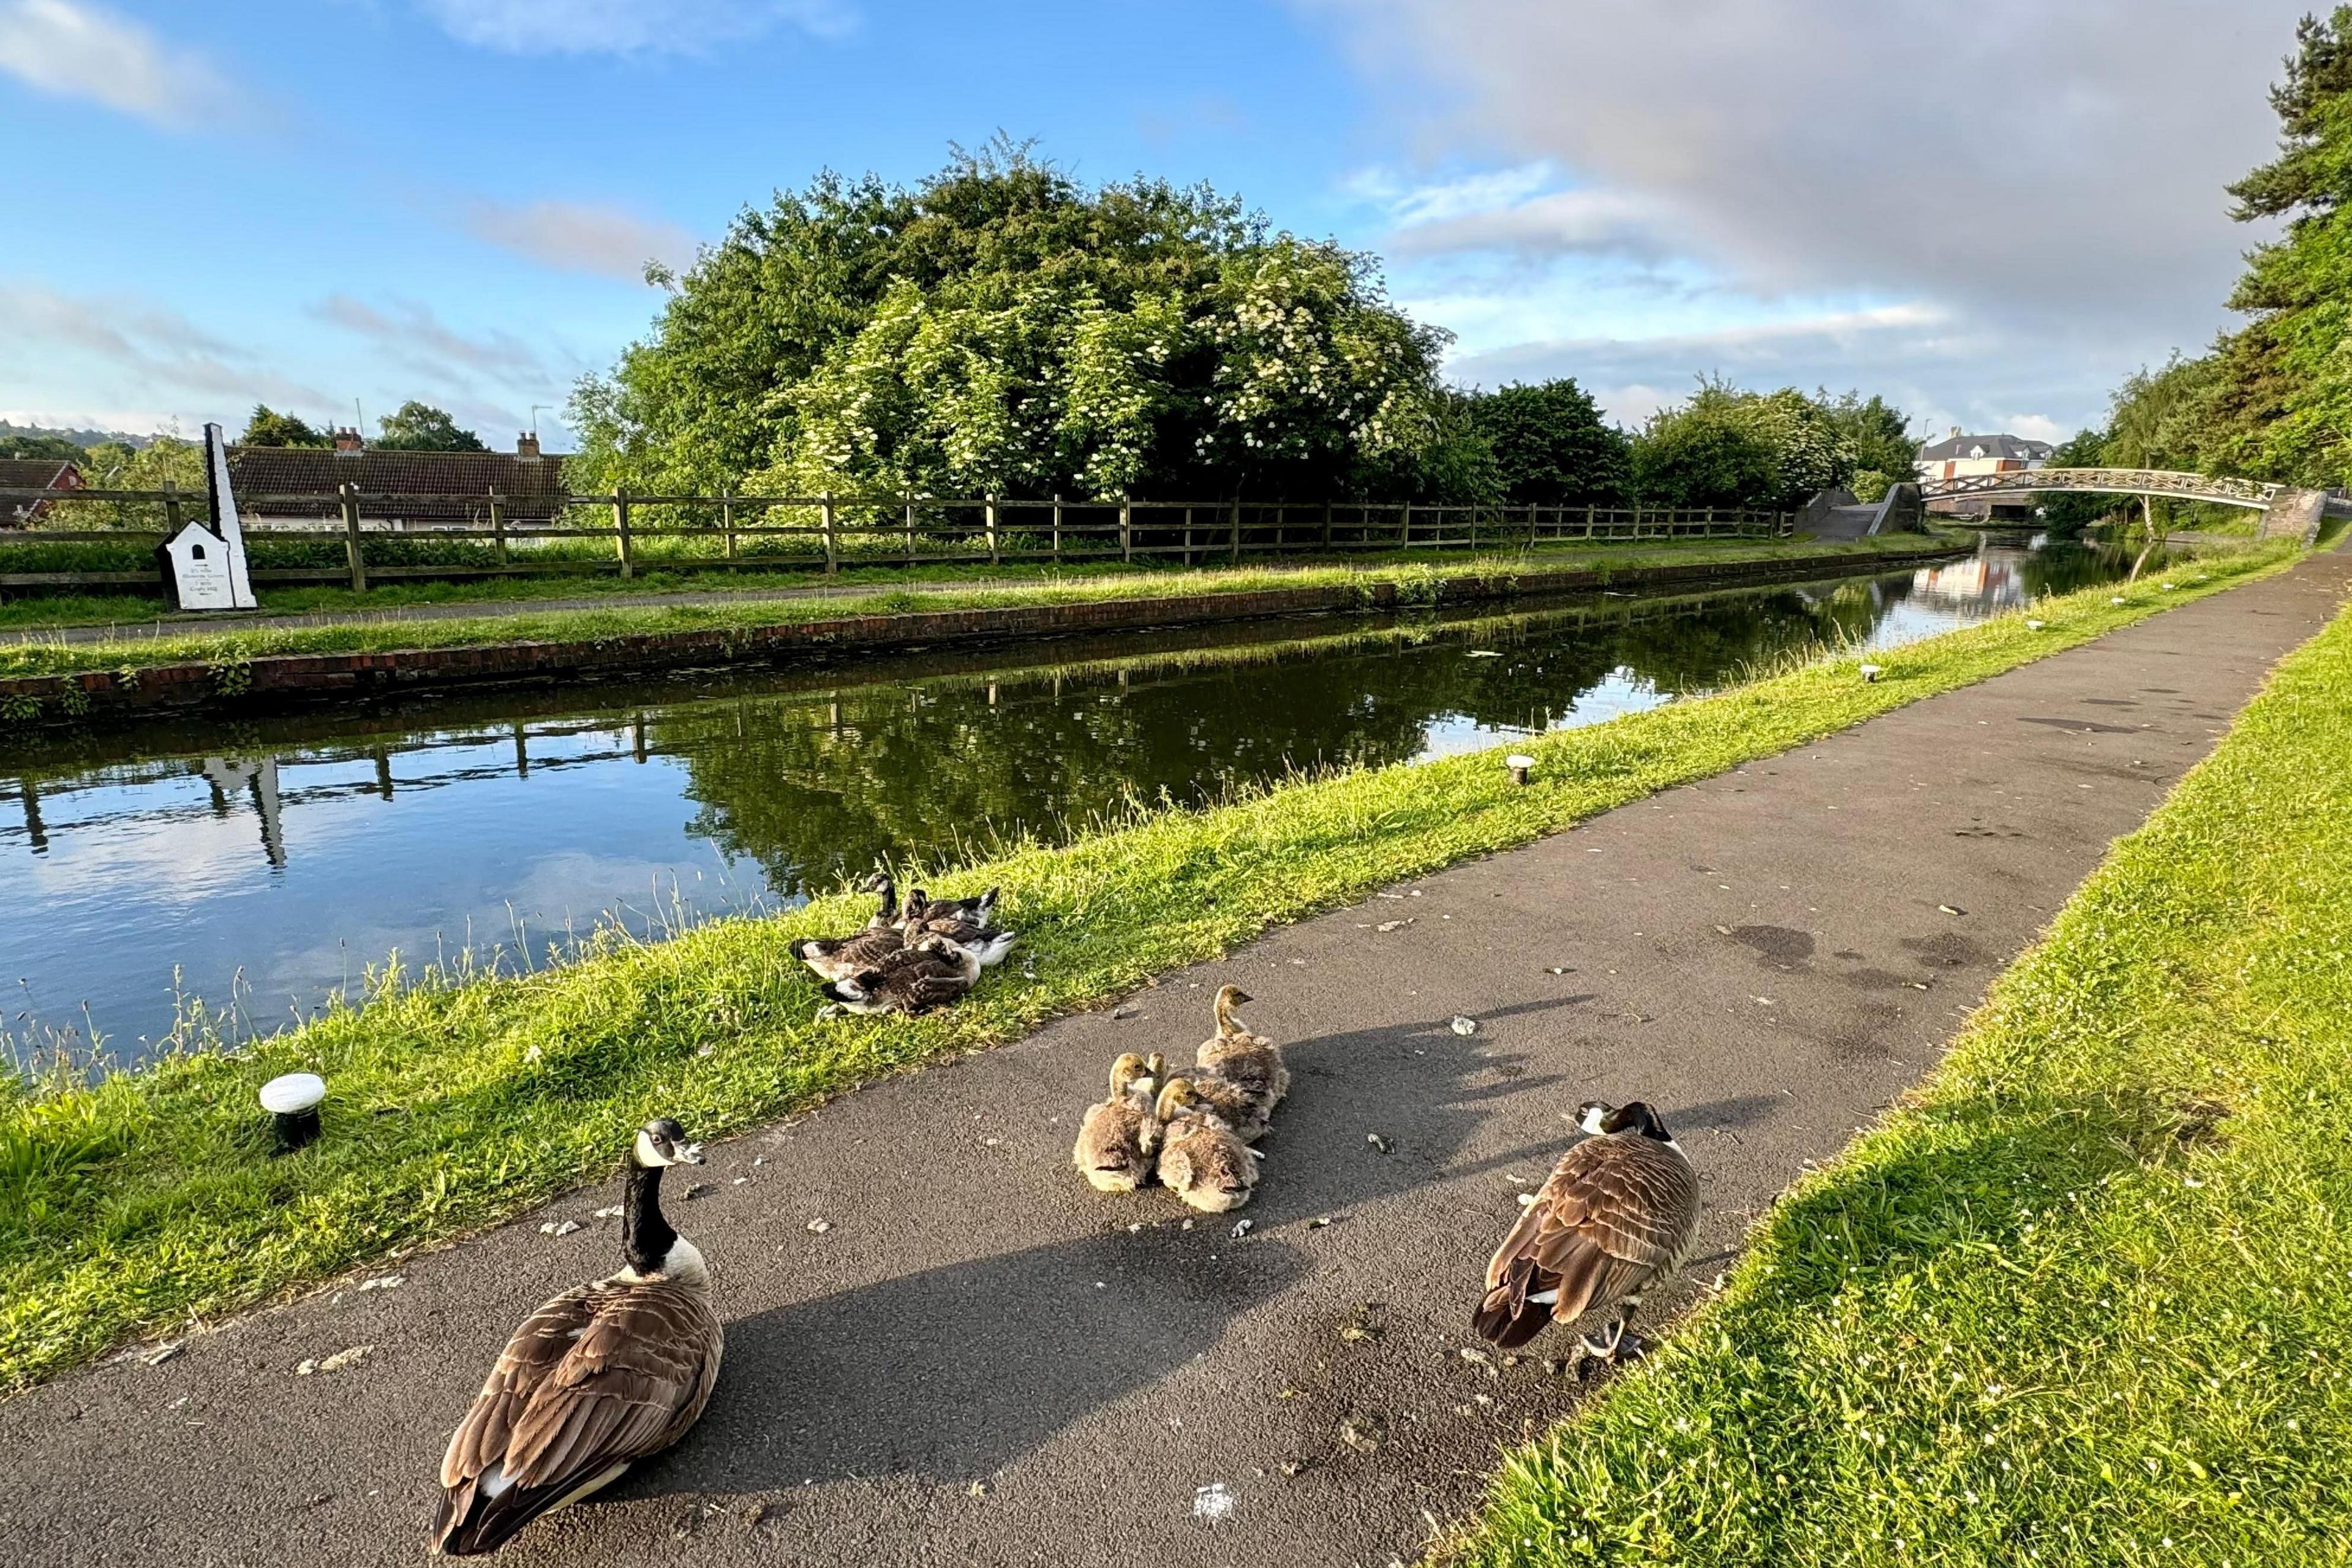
x,y
830,1010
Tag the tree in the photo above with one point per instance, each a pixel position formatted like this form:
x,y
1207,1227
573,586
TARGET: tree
x,y
1001,327
2281,406
43,449
2165,418
267,427
416,426
2070,512
1730,448
1885,454
1551,446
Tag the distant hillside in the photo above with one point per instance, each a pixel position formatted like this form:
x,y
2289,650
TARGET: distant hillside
x,y
79,437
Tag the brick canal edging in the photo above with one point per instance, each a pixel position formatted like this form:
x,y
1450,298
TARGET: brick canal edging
x,y
275,680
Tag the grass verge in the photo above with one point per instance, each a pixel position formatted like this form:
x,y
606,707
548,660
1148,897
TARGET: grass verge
x,y
219,643
2083,1298
145,1199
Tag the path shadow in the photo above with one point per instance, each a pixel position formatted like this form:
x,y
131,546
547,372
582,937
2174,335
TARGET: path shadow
x,y
950,1374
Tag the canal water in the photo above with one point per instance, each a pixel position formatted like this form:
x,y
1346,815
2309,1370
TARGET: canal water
x,y
260,865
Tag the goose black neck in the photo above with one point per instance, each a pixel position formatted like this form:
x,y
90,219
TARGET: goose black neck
x,y
644,1230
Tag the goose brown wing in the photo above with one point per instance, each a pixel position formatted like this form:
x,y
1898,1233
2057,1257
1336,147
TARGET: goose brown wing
x,y
934,986
633,1382
1615,1211
600,1377
545,1338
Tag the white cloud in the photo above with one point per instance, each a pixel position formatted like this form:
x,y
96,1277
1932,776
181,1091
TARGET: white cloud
x,y
72,50
628,27
580,237
2052,176
415,336
2036,427
132,352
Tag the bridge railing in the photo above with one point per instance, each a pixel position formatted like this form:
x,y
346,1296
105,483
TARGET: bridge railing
x,y
2255,494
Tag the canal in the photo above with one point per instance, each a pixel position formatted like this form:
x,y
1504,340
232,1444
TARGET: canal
x,y
258,866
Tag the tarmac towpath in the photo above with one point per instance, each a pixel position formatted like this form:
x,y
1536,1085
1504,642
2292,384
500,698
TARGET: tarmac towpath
x,y
978,1360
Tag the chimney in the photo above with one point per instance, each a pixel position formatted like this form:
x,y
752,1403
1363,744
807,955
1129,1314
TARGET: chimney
x,y
1955,432
347,439
527,446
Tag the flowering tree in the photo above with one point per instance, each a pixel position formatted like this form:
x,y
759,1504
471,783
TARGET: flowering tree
x,y
1002,328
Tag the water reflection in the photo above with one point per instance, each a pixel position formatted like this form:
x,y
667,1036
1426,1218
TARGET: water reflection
x,y
278,859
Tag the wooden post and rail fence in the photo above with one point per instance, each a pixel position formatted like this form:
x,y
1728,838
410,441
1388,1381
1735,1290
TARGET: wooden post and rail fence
x,y
351,538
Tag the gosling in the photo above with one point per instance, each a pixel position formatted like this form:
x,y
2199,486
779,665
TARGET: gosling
x,y
1201,1161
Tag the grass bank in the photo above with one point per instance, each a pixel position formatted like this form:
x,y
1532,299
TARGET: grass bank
x,y
2083,1298
226,643
461,1099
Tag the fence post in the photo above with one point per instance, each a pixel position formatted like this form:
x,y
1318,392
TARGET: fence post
x,y
498,527
352,556
910,528
1188,536
171,507
1327,528
1237,530
620,532
831,546
990,502
1531,525
1058,528
1404,529
1126,529
727,518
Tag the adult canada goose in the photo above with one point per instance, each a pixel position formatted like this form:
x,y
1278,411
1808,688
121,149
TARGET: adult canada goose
x,y
1117,1137
599,1378
958,920
931,973
838,957
1244,1075
980,911
1201,1161
1619,1212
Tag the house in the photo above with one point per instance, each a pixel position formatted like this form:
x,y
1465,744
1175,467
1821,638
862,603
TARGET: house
x,y
34,473
1959,457
296,487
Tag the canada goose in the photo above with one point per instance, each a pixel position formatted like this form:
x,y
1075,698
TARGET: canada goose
x,y
1117,1137
978,910
839,957
960,921
602,1376
1619,1212
931,973
1251,1079
1201,1161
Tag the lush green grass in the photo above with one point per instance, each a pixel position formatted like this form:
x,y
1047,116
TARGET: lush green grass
x,y
463,1099
2087,1297
925,588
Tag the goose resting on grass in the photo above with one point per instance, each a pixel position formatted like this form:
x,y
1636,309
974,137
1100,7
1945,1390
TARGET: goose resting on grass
x,y
601,1377
931,973
839,957
1619,1213
963,922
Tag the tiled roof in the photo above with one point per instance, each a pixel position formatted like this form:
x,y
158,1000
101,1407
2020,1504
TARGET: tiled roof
x,y
2013,446
429,486
33,474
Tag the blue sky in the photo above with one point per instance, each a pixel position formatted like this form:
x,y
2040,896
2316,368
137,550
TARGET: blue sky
x,y
1990,218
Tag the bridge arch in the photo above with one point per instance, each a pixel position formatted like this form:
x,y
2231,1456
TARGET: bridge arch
x,y
2286,510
